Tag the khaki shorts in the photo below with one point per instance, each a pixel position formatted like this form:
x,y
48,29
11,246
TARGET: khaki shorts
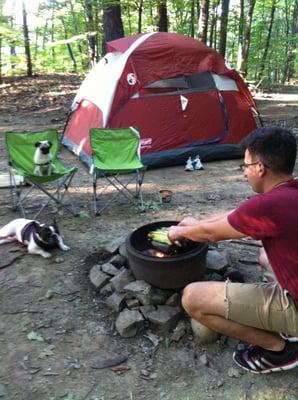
x,y
262,305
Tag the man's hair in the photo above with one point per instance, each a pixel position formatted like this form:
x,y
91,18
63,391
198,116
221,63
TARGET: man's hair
x,y
276,148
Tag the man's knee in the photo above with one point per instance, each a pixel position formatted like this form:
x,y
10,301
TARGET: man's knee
x,y
204,298
189,300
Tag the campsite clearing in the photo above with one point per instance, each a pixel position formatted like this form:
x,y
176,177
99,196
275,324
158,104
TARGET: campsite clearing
x,y
54,326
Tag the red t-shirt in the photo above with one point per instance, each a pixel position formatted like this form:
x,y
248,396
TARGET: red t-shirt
x,y
272,217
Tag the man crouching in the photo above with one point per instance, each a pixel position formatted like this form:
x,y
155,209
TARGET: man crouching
x,y
263,314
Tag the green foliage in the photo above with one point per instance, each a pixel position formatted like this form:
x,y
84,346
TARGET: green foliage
x,y
60,28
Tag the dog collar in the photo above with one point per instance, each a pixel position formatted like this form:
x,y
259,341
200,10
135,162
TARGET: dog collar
x,y
41,243
46,163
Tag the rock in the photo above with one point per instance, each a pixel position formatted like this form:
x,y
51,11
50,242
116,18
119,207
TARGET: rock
x,y
213,276
116,302
3,390
234,372
158,296
203,334
83,214
109,269
49,294
145,293
141,290
204,360
129,323
174,300
123,278
146,310
234,275
118,261
100,362
179,331
113,245
132,303
122,250
216,262
97,277
59,260
107,289
165,318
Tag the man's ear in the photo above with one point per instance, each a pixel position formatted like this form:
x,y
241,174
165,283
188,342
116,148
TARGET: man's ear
x,y
262,170
37,144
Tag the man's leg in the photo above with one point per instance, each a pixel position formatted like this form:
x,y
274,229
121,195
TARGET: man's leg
x,y
206,302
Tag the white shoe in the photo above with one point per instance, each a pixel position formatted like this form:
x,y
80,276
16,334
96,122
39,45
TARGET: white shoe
x,y
189,165
289,338
197,163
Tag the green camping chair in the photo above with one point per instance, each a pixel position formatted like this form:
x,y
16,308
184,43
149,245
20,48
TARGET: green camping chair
x,y
21,148
116,153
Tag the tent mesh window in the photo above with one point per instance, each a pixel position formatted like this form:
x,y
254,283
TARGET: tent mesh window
x,y
182,84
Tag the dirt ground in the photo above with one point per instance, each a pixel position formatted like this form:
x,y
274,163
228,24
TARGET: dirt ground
x,y
54,299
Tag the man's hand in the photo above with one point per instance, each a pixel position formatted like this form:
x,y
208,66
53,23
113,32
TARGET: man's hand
x,y
188,221
174,233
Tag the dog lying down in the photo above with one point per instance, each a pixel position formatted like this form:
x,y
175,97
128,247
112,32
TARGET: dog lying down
x,y
39,238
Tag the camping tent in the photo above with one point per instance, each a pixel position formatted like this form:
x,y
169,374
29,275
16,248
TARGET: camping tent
x,y
179,93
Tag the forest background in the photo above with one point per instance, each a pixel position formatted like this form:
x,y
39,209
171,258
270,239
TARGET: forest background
x,y
257,37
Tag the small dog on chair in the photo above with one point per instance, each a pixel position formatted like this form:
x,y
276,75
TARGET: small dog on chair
x,y
43,158
39,238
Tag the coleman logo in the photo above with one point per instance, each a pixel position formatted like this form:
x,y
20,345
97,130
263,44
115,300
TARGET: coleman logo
x,y
131,79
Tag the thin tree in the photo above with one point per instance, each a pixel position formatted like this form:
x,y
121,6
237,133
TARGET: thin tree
x,y
203,21
162,16
27,41
223,27
12,45
140,12
112,22
246,43
71,55
289,66
88,5
267,43
214,14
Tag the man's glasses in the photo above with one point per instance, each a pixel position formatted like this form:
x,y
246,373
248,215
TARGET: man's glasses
x,y
246,165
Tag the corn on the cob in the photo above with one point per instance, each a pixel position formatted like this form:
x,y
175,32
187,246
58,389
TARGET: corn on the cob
x,y
161,236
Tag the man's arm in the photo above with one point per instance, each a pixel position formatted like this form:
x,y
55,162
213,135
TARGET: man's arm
x,y
187,221
206,230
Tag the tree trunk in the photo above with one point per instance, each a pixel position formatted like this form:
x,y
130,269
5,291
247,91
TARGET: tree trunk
x,y
243,66
12,46
203,21
90,27
140,12
27,42
52,31
223,27
241,36
112,22
69,47
162,16
263,61
212,35
1,80
192,19
290,71
75,26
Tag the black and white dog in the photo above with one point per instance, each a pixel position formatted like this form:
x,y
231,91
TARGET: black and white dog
x,y
39,238
43,158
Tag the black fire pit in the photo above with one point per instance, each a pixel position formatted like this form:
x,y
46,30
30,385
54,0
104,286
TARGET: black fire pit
x,y
161,270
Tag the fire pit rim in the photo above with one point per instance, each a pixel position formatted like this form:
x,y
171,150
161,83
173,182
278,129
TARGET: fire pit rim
x,y
171,272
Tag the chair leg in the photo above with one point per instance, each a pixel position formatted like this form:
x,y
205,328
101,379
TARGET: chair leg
x,y
94,193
